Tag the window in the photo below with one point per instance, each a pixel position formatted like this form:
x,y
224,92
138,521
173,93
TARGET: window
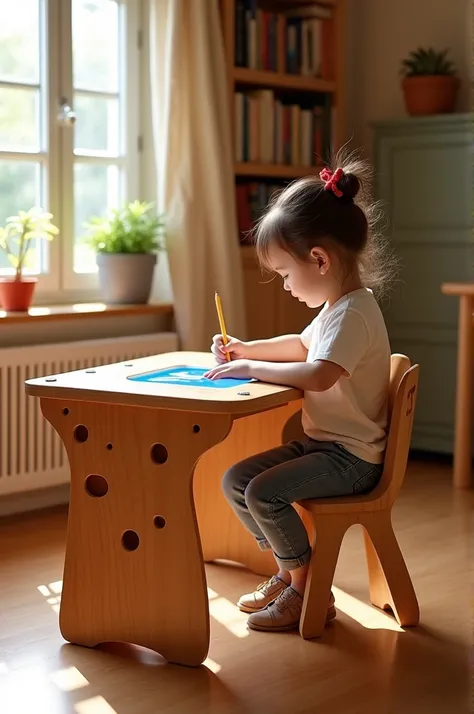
x,y
69,124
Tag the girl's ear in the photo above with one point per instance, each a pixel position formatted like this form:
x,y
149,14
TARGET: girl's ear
x,y
321,258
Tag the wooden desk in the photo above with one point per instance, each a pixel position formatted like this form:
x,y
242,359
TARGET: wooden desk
x,y
465,384
146,508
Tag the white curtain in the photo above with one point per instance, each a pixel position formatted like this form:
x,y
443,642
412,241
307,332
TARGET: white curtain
x,y
194,166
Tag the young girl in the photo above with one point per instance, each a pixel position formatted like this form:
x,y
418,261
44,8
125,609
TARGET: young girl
x,y
317,237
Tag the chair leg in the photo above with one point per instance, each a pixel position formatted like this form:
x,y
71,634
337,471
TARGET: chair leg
x,y
326,546
390,582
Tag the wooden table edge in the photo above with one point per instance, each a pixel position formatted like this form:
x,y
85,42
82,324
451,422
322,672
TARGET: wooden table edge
x,y
248,405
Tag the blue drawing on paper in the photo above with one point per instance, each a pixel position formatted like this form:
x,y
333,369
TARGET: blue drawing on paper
x,y
187,377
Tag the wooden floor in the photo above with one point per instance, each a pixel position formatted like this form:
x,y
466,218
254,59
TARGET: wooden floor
x,y
364,664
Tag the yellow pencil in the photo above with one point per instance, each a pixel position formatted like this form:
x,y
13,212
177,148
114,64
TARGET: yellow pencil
x,y
220,315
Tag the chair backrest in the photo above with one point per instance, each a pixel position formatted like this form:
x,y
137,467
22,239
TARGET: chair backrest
x,y
401,411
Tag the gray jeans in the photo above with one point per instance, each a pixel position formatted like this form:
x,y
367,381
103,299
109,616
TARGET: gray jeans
x,y
262,488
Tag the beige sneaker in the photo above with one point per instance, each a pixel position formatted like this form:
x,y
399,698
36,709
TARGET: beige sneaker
x,y
284,613
263,595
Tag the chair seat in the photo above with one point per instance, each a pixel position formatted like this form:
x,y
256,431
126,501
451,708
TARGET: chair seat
x,y
370,502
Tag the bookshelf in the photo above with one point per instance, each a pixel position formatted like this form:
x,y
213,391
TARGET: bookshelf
x,y
281,80
285,62
276,171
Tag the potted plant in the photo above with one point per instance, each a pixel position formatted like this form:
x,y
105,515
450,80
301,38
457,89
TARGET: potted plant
x,y
429,82
126,241
16,292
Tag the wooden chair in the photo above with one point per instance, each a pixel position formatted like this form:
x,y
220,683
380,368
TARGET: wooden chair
x,y
330,518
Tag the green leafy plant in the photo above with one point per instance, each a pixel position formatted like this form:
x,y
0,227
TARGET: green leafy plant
x,y
134,228
20,230
427,62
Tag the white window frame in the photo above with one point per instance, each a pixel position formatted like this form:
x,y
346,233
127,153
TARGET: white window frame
x,y
61,283
46,155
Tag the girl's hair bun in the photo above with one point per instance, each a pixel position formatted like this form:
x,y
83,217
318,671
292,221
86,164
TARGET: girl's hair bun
x,y
349,184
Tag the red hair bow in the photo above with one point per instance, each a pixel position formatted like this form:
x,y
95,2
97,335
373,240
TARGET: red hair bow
x,y
330,180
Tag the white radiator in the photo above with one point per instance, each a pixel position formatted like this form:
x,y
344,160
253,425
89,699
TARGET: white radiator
x,y
31,453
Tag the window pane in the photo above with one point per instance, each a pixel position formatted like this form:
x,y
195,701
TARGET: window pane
x,y
96,189
95,38
97,125
19,120
19,40
20,189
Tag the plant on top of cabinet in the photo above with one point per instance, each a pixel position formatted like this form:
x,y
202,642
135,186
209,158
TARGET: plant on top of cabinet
x,y
429,83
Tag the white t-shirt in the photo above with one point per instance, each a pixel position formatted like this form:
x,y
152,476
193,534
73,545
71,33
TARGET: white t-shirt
x,y
353,412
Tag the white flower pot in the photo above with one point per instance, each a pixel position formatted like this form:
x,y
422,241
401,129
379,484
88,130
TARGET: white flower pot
x,y
126,278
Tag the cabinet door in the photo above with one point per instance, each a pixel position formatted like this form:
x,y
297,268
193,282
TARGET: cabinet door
x,y
425,183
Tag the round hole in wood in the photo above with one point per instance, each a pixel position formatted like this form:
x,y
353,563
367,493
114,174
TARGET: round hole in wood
x,y
159,453
65,411
96,485
110,446
81,433
196,428
159,522
130,540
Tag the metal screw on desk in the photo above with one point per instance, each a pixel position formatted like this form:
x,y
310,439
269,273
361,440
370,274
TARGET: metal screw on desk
x,y
50,379
243,394
90,371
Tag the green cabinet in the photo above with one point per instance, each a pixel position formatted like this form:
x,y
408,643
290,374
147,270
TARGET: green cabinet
x,y
424,179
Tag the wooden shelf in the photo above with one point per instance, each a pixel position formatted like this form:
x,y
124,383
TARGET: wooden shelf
x,y
283,4
275,170
278,80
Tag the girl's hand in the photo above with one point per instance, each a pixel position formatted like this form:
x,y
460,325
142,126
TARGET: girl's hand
x,y
240,369
234,347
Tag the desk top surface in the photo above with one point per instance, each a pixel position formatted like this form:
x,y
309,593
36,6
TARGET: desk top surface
x,y
112,384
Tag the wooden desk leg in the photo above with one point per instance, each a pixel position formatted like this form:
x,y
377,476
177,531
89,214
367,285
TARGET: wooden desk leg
x,y
222,535
134,570
464,391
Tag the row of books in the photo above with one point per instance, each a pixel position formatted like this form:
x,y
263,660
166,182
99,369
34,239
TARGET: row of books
x,y
299,41
252,199
269,131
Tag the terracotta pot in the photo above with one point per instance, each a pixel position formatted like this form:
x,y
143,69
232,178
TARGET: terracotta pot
x,y
430,94
17,295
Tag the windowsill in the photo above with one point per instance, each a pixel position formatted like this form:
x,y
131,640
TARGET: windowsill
x,y
45,313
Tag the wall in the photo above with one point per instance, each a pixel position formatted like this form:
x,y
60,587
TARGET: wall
x,y
380,34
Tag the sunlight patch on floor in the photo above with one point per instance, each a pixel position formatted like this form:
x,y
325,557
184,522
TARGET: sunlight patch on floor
x,y
54,602
69,679
53,594
95,705
212,666
228,615
368,616
27,691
